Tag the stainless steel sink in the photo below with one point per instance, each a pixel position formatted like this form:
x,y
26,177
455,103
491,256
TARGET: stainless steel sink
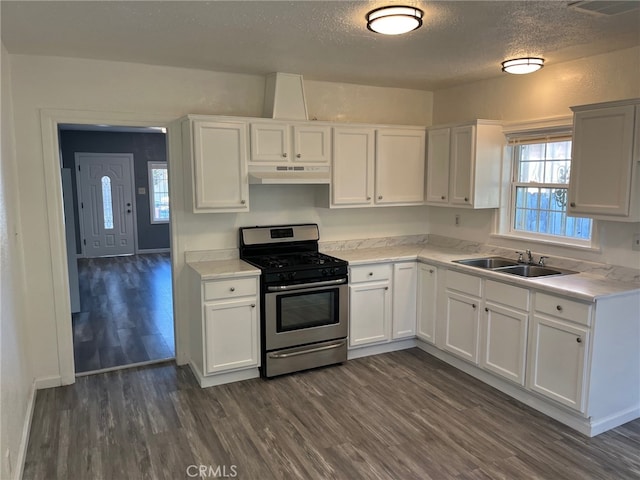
x,y
487,262
512,267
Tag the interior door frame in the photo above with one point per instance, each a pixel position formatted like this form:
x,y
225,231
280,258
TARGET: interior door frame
x,y
132,164
50,120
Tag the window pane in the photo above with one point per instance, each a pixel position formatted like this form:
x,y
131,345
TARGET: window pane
x,y
544,210
107,203
159,193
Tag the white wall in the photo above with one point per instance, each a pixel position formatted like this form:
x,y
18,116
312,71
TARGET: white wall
x,y
545,94
63,83
15,374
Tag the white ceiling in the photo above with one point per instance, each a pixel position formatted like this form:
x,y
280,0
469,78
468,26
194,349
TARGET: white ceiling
x,y
460,41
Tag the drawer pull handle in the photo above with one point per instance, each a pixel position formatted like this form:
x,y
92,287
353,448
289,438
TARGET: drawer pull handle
x,y
579,340
232,289
559,308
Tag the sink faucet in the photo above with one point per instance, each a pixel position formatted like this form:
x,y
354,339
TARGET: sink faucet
x,y
529,255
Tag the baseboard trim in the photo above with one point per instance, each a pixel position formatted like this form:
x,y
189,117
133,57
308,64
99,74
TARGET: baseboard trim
x,y
222,378
360,352
26,431
602,425
48,382
142,251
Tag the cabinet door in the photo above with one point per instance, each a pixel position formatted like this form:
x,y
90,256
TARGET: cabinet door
x,y
504,341
353,155
400,163
602,161
438,150
231,335
461,326
557,360
219,166
405,284
463,141
311,144
427,294
370,313
269,142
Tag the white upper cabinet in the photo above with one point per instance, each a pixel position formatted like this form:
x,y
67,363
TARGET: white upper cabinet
x,y
463,165
215,152
353,164
604,179
278,143
400,162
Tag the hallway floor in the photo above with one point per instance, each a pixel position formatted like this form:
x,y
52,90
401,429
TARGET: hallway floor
x,y
126,311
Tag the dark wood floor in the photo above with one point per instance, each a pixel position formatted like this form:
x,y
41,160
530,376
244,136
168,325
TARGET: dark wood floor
x,y
403,415
126,311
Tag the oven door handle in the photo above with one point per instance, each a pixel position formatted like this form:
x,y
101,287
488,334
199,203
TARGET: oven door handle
x,y
309,350
326,283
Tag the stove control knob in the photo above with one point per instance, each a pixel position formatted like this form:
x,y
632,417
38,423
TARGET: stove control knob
x,y
332,271
324,272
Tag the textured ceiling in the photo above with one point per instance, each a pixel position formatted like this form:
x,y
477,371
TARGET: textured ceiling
x,y
460,41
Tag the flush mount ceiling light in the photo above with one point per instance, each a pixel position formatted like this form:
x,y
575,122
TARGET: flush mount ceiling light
x,y
521,66
394,20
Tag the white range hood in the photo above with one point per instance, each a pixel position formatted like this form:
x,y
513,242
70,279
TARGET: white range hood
x,y
284,100
281,175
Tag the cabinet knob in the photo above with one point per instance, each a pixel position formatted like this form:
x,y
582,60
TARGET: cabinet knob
x,y
232,289
386,288
368,198
486,309
253,305
466,199
559,308
243,202
431,270
579,339
473,305
379,197
129,211
443,197
573,204
298,155
284,154
371,274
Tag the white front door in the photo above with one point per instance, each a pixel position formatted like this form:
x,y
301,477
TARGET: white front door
x,y
105,192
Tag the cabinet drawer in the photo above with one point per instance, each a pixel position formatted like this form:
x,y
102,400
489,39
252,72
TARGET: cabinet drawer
x,y
236,287
464,283
370,273
509,295
563,308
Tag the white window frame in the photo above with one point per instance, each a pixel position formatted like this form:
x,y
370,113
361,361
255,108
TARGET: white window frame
x,y
543,131
150,167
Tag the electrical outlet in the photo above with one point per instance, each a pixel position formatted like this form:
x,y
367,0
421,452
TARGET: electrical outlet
x,y
636,242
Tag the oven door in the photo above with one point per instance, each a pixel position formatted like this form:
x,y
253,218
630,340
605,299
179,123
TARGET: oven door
x,y
305,313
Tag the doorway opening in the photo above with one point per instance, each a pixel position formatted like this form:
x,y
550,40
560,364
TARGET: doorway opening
x,y
115,194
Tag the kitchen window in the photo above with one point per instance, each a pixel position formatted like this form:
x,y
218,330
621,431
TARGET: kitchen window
x,y
159,192
539,184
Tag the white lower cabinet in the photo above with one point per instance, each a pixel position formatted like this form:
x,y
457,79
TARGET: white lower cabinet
x,y
426,304
370,304
559,350
225,334
504,331
231,335
462,315
405,281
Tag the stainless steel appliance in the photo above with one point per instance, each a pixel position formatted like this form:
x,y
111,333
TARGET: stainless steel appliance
x,y
305,309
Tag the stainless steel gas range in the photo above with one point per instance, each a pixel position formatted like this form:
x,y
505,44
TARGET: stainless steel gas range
x,y
305,309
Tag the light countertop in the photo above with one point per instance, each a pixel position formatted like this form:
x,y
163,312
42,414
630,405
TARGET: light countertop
x,y
581,286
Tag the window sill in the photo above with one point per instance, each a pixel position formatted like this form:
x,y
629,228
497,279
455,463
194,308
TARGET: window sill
x,y
594,248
